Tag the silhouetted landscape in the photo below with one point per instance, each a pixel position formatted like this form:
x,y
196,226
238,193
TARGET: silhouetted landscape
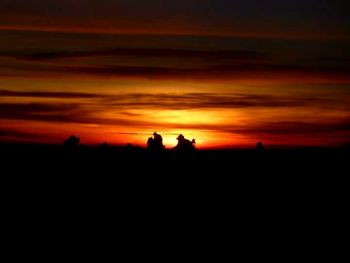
x,y
184,159
130,183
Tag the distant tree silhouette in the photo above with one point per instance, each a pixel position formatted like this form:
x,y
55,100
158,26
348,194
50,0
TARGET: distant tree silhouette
x,y
155,143
104,145
104,148
129,146
72,142
260,147
184,145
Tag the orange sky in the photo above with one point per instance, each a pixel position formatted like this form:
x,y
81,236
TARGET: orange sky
x,y
226,73
129,111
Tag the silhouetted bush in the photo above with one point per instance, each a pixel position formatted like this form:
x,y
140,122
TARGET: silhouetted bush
x,y
184,145
260,147
155,143
72,142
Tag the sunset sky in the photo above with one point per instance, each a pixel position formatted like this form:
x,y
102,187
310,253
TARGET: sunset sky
x,y
228,73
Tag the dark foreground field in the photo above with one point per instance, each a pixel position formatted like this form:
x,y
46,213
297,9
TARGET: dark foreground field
x,y
134,161
136,186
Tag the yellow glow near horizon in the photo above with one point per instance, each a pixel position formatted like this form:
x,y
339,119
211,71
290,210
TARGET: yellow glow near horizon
x,y
121,112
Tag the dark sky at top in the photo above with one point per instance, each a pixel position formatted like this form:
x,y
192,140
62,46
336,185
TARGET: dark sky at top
x,y
311,17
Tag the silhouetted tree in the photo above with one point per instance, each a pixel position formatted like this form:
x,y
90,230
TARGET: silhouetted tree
x,y
72,142
155,143
184,145
104,146
260,147
129,146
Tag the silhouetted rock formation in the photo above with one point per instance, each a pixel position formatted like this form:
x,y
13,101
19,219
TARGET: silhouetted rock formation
x,y
155,143
184,145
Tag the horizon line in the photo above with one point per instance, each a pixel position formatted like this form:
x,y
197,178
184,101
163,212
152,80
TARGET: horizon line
x,y
201,148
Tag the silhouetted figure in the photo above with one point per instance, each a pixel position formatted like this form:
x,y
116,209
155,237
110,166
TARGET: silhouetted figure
x,y
155,143
184,145
72,142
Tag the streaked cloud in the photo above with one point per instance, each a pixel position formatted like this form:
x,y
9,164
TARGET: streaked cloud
x,y
132,114
226,72
274,19
165,63
138,53
160,100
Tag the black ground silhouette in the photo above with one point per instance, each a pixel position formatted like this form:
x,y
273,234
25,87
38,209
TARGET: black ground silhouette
x,y
182,160
119,180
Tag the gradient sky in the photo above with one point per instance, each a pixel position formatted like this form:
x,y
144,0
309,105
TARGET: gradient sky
x,y
228,73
